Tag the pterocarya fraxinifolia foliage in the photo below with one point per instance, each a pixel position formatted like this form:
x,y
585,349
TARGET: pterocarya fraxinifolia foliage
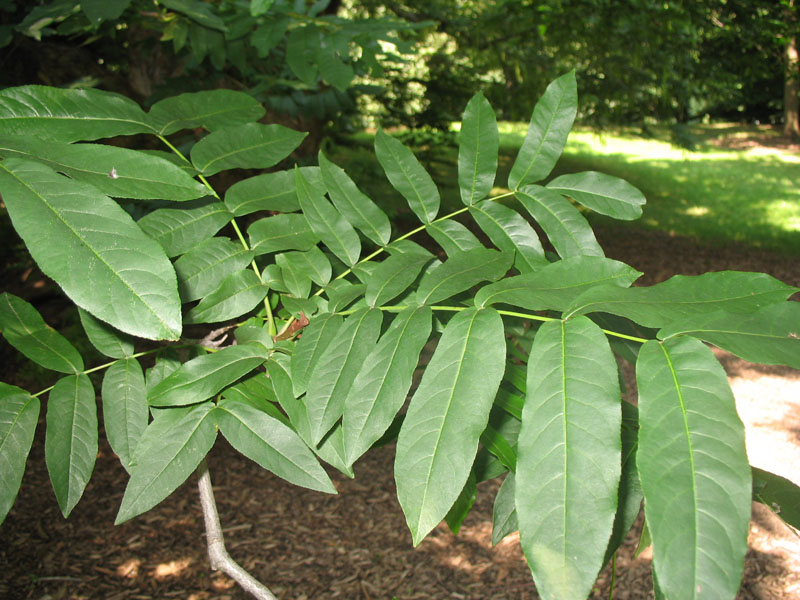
x,y
329,311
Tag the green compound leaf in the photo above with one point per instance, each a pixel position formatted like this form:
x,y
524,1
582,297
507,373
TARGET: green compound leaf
x,y
393,276
361,212
125,412
452,236
510,233
312,346
91,247
23,327
211,109
169,450
478,144
685,297
504,513
248,146
547,134
19,413
331,227
382,384
68,115
408,176
271,191
332,379
105,338
202,269
567,229
602,193
568,457
446,416
460,272
239,293
116,172
555,286
272,445
770,336
71,442
204,376
779,494
179,230
693,469
281,232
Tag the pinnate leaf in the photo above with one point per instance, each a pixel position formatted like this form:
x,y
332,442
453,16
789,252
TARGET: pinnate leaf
x,y
478,144
568,457
19,413
91,247
71,441
353,204
125,411
204,376
408,176
272,445
68,115
238,294
685,297
179,230
555,286
547,134
603,193
116,172
382,383
248,146
567,229
210,109
446,416
24,328
693,469
169,450
460,272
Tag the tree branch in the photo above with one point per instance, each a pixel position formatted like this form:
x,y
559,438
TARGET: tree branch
x,y
217,554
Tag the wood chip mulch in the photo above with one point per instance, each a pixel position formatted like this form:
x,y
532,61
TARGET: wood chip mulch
x,y
305,545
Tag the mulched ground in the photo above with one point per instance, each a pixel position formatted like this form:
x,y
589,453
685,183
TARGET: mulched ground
x,y
355,545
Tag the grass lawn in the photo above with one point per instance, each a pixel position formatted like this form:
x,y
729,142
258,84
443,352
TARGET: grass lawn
x,y
745,196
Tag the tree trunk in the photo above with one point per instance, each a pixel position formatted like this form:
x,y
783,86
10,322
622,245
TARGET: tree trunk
x,y
791,89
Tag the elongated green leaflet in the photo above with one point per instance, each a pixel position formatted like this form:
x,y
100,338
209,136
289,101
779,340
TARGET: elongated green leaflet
x,y
116,172
478,144
125,411
460,272
272,445
408,176
331,227
71,441
68,115
204,376
332,379
693,469
210,109
91,247
382,383
770,335
202,269
317,336
602,193
453,237
354,205
463,504
248,146
19,413
446,416
547,133
779,494
271,191
105,338
238,294
553,287
567,229
281,232
23,327
504,513
169,451
180,230
568,457
510,233
685,297
393,276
